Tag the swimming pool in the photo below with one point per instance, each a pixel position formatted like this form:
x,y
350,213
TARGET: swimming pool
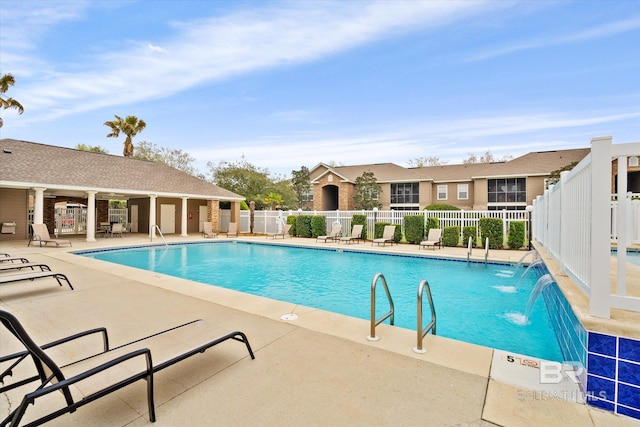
x,y
474,302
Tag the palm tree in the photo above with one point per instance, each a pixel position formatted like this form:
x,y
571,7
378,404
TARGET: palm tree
x,y
274,199
6,81
130,126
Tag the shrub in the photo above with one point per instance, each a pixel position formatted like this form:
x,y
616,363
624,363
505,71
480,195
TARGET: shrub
x,y
318,225
515,238
491,228
303,225
359,219
432,222
441,207
450,236
469,231
414,228
292,220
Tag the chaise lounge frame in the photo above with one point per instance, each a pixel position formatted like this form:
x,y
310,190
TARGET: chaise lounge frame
x,y
53,378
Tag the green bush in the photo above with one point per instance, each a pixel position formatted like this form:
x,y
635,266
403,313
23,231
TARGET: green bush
x,y
318,225
414,228
359,219
303,225
469,231
432,222
441,207
450,236
292,220
515,238
491,228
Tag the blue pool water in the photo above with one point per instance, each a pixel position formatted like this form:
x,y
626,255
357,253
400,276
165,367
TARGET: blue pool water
x,y
474,302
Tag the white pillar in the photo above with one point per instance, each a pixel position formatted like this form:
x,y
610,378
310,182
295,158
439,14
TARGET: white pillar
x,y
152,216
622,228
38,206
600,283
183,223
91,216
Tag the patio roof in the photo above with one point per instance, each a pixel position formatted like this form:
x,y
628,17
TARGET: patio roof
x,y
71,172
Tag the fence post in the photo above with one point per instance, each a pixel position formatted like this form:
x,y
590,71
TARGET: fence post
x,y
600,286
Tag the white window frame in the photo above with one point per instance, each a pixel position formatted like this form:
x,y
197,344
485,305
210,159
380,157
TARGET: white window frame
x,y
445,192
463,188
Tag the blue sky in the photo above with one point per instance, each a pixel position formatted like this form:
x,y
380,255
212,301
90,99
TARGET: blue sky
x,y
287,84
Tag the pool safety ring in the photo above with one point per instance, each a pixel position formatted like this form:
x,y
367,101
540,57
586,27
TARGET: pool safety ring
x,y
289,316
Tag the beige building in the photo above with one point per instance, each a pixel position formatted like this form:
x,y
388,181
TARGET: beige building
x,y
510,185
35,179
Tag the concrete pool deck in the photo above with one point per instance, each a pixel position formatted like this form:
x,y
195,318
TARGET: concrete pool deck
x,y
316,370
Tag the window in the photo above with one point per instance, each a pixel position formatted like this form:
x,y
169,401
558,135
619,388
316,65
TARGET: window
x,y
508,191
408,192
463,191
442,192
307,196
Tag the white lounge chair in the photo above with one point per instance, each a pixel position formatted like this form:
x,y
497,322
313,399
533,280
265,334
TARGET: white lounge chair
x,y
356,234
40,233
232,230
433,239
284,233
387,235
207,230
117,230
336,232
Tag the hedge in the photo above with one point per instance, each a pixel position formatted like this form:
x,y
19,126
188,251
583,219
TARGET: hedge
x,y
441,207
318,225
469,231
432,222
292,220
413,228
515,238
491,228
303,225
450,236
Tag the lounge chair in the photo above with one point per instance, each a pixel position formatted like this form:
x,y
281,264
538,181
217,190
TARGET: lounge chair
x,y
40,233
433,239
12,259
117,230
233,229
284,233
6,266
207,230
335,234
387,236
107,370
356,234
19,277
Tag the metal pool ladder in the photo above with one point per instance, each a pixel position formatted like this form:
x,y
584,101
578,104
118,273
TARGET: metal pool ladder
x,y
424,286
159,231
390,314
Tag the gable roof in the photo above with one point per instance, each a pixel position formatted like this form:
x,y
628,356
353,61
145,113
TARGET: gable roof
x,y
536,163
29,164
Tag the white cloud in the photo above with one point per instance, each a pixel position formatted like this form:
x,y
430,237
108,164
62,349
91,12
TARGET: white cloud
x,y
211,49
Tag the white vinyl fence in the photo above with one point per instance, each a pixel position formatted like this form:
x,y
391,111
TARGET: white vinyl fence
x,y
273,221
576,221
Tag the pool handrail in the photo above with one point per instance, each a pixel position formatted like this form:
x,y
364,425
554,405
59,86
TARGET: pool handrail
x,y
389,314
486,251
424,287
159,231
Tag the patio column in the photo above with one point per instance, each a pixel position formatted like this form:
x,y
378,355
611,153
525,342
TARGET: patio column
x,y
183,224
152,216
91,216
38,207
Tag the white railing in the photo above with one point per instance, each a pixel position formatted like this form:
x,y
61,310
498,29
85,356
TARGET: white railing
x,y
633,217
575,222
268,221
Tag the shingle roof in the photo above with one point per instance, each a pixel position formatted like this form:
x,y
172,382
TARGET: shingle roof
x,y
531,164
49,166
